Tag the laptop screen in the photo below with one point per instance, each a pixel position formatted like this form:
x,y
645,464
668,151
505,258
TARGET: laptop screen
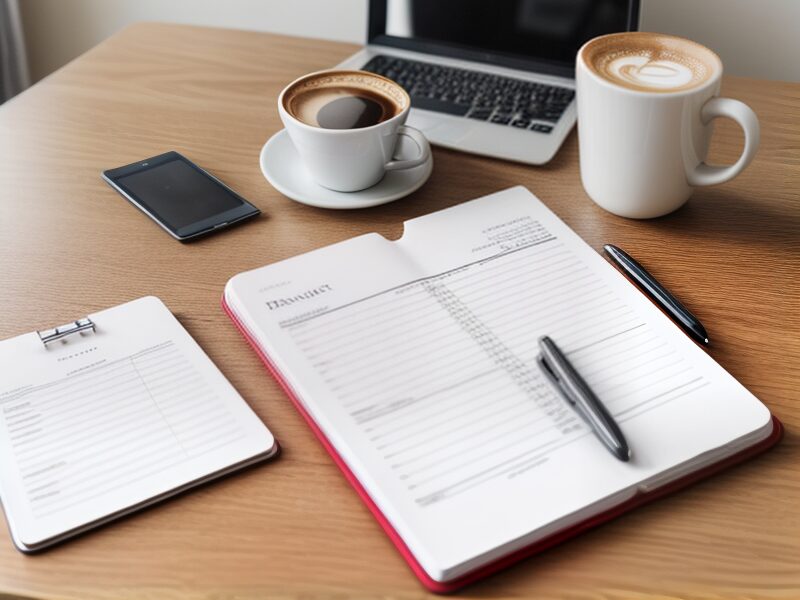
x,y
540,35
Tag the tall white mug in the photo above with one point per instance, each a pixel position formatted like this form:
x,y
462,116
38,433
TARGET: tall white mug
x,y
643,142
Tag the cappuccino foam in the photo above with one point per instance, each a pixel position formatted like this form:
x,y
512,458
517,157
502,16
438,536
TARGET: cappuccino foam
x,y
344,99
651,62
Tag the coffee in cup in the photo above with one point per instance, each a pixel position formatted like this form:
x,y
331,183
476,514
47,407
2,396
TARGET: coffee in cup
x,y
646,103
345,126
342,101
651,62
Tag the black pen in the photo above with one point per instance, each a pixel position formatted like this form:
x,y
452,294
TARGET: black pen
x,y
658,294
582,399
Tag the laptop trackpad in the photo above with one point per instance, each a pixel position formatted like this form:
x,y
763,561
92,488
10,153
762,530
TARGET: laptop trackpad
x,y
447,131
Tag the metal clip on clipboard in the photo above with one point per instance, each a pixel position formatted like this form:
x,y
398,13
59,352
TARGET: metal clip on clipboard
x,y
76,327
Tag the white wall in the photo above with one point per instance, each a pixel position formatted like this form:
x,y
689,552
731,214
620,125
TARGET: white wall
x,y
755,38
59,30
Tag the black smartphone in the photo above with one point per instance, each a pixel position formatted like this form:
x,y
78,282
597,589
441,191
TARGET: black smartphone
x,y
180,196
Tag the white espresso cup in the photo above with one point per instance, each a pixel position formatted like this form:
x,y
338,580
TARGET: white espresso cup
x,y
345,126
646,105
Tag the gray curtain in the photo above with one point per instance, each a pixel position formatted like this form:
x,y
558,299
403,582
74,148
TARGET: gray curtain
x,y
14,75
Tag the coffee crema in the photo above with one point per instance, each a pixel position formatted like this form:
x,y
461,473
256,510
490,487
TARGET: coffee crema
x,y
344,99
650,62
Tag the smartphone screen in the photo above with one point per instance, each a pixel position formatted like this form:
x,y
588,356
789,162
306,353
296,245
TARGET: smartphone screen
x,y
180,196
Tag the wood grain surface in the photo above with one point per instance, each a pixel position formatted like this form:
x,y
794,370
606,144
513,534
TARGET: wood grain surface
x,y
293,528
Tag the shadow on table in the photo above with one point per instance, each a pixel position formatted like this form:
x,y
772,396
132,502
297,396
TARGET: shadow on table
x,y
724,215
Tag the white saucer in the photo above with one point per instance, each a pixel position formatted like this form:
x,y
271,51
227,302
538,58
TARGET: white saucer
x,y
285,171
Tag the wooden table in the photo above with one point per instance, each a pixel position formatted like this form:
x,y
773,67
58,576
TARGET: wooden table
x,y
70,245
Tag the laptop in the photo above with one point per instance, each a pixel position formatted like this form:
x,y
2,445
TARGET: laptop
x,y
489,77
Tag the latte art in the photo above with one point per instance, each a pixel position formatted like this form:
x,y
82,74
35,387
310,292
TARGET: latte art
x,y
650,62
643,70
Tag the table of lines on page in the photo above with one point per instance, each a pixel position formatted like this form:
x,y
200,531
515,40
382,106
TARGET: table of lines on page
x,y
440,373
79,437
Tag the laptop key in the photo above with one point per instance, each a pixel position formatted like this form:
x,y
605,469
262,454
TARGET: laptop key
x,y
541,128
442,106
481,113
501,119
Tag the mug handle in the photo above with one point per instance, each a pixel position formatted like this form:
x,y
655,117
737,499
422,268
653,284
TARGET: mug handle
x,y
424,150
704,174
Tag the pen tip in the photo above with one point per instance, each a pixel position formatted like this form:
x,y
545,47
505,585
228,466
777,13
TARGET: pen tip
x,y
622,452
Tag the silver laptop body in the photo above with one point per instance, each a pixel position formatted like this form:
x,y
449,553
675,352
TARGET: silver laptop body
x,y
455,73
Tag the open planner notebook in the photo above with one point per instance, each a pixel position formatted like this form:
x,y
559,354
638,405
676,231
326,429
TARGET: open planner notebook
x,y
415,363
104,421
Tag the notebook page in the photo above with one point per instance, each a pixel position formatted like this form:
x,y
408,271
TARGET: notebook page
x,y
428,386
106,420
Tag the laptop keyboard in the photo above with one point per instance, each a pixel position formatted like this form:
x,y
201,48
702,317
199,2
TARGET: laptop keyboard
x,y
476,95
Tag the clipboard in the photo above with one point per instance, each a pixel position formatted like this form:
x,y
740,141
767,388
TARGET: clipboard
x,y
109,413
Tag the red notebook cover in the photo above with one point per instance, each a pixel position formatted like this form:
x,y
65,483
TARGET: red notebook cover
x,y
514,557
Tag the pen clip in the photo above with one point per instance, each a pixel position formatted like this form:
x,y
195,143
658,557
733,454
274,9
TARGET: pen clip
x,y
551,375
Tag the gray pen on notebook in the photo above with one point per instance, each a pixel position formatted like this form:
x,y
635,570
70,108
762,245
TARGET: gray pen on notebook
x,y
580,396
